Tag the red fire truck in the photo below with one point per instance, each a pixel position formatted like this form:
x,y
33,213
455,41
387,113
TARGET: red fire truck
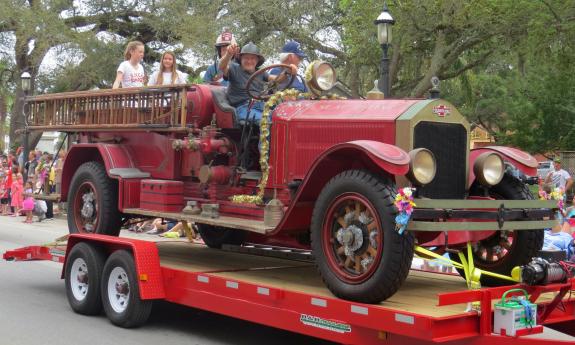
x,y
316,173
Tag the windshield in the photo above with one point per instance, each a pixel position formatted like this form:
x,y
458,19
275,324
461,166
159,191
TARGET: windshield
x,y
544,165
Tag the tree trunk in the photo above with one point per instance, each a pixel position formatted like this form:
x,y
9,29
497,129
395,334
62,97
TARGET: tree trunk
x,y
437,65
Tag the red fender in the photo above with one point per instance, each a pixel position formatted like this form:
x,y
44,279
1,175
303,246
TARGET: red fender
x,y
520,159
113,156
145,254
375,156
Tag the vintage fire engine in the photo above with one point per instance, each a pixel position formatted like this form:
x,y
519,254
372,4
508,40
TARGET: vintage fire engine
x,y
319,173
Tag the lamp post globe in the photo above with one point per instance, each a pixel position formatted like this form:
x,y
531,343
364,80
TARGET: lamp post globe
x,y
25,78
384,23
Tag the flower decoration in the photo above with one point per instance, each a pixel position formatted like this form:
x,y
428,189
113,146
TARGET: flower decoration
x,y
556,194
405,204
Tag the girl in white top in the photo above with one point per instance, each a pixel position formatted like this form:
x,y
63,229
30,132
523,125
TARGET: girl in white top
x,y
168,73
130,73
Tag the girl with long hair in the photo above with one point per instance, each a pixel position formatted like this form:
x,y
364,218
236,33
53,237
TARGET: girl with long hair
x,y
168,73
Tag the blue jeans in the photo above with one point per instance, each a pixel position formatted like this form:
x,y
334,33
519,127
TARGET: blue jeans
x,y
255,114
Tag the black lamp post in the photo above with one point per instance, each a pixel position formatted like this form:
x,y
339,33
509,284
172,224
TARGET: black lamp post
x,y
384,24
25,78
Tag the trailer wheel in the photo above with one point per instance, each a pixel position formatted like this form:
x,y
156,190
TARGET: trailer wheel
x,y
216,236
121,293
359,254
504,250
83,274
93,202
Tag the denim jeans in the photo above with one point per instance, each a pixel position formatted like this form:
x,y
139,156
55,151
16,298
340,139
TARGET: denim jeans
x,y
255,114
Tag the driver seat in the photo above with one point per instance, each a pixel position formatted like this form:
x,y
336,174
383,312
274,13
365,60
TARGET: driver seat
x,y
225,113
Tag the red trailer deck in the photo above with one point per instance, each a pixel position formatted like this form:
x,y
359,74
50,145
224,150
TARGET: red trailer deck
x,y
288,294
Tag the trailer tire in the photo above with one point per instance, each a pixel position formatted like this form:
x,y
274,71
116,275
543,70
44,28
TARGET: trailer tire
x,y
518,247
83,274
93,202
359,254
216,236
121,292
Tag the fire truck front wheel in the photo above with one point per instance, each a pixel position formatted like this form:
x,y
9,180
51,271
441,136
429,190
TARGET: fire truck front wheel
x,y
358,252
121,293
84,267
93,202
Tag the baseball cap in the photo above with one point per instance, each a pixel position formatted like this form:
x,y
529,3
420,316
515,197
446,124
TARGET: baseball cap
x,y
294,48
557,159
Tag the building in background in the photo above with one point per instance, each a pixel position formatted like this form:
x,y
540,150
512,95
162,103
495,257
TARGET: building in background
x,y
480,138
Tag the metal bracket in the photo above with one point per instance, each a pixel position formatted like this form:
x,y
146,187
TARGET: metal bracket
x,y
501,216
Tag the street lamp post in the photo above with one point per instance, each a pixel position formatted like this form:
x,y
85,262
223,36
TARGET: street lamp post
x,y
25,78
384,24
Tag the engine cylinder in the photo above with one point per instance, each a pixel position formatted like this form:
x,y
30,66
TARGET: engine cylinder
x,y
219,174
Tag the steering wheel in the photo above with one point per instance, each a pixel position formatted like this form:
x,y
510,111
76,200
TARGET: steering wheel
x,y
271,86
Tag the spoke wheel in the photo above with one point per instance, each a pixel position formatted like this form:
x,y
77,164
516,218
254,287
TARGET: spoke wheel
x,y
359,254
352,238
504,250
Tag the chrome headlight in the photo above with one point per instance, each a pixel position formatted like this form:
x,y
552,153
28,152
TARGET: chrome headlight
x,y
323,76
422,166
489,169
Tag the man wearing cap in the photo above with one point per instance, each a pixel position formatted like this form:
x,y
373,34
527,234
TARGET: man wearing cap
x,y
291,55
559,178
213,75
238,75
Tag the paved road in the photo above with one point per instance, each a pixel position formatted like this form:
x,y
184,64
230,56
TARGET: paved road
x,y
34,309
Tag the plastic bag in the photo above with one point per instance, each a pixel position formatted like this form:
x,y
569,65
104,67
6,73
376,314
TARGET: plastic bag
x,y
40,207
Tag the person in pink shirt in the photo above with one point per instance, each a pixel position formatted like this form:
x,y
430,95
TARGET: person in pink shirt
x,y
17,191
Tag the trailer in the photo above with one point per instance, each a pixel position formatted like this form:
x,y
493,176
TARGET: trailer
x,y
124,276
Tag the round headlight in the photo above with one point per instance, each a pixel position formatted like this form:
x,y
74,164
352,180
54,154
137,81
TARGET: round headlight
x,y
489,169
323,76
422,167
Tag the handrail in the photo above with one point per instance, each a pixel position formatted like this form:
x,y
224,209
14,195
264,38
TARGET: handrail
x,y
130,108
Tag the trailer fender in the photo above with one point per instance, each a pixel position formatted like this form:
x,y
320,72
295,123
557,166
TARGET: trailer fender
x,y
116,159
384,159
145,255
520,159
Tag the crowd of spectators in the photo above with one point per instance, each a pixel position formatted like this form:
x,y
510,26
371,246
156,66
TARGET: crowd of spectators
x,y
26,198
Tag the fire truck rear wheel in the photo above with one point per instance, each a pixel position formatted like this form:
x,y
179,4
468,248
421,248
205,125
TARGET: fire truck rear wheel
x,y
121,292
505,249
93,202
216,236
84,267
359,254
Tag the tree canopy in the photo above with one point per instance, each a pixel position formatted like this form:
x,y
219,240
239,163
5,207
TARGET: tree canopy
x,y
506,64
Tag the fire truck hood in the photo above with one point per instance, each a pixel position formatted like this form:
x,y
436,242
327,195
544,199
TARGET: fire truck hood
x,y
373,110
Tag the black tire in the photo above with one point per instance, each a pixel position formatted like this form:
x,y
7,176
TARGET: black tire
x,y
389,267
216,236
526,243
83,275
104,218
123,307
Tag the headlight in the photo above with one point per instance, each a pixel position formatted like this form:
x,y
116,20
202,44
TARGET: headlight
x,y
422,166
323,76
489,169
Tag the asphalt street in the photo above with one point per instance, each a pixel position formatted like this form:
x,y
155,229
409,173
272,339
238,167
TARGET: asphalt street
x,y
34,309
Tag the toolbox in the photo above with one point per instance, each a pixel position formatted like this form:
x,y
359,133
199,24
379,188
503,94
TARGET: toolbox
x,y
162,195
